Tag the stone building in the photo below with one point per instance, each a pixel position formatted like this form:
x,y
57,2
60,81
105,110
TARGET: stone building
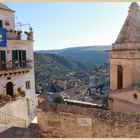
x,y
124,93
17,85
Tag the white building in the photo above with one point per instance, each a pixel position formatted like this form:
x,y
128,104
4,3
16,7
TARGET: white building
x,y
16,72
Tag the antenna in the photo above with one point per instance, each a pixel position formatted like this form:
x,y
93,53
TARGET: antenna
x,y
19,24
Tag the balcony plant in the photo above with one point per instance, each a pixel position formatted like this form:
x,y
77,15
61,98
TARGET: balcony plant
x,y
29,35
10,30
22,93
15,64
2,65
19,32
2,62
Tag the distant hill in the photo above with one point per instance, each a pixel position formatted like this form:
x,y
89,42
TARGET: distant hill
x,y
56,64
90,55
52,66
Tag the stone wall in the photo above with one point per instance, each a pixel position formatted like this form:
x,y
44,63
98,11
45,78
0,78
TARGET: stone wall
x,y
59,120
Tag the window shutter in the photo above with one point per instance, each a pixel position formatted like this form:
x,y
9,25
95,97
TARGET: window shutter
x,y
3,56
24,55
0,23
15,58
3,59
24,58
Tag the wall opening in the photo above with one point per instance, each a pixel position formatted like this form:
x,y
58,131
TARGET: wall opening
x,y
1,24
28,106
120,77
9,88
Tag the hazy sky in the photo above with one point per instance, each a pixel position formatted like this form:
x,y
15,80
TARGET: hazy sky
x,y
63,24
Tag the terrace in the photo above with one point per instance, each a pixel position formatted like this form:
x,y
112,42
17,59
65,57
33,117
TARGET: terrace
x,y
19,35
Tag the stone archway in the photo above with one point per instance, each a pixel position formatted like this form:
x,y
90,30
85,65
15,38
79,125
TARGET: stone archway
x,y
9,89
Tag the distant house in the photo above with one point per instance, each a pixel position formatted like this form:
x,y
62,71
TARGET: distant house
x,y
125,65
17,85
43,96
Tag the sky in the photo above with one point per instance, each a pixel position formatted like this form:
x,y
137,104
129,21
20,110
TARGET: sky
x,y
60,25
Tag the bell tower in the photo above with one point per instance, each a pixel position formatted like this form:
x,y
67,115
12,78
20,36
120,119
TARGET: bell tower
x,y
125,55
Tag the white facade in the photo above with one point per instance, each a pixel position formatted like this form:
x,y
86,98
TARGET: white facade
x,y
7,15
19,70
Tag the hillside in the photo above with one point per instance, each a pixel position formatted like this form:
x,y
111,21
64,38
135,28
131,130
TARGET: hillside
x,y
56,64
90,55
52,66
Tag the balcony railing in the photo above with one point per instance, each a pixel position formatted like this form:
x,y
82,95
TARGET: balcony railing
x,y
19,35
15,65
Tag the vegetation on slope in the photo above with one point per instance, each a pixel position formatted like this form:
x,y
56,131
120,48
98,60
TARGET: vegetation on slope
x,y
49,67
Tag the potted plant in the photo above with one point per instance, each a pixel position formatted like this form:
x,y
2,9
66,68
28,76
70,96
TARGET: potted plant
x,y
20,92
10,30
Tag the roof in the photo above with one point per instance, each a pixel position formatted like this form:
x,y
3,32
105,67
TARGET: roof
x,y
81,102
44,95
4,7
126,95
121,91
130,31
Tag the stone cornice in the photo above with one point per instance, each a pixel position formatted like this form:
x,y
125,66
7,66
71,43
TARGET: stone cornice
x,y
126,46
124,54
120,91
125,101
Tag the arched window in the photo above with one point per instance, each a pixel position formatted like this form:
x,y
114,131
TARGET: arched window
x,y
120,77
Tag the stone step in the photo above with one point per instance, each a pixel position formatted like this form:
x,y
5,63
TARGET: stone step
x,y
3,127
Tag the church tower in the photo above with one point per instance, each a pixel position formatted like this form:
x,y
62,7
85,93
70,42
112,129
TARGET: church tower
x,y
124,60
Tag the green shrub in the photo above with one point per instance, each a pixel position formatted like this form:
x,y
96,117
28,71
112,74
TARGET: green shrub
x,y
58,100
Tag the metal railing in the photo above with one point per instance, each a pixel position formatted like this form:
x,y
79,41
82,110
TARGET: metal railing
x,y
5,66
16,35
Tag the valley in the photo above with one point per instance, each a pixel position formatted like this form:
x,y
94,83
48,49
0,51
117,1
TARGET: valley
x,y
77,77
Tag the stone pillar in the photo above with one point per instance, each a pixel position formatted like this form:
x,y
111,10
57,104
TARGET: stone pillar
x,y
113,76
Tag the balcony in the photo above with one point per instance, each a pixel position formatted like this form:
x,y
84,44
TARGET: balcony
x,y
15,68
19,35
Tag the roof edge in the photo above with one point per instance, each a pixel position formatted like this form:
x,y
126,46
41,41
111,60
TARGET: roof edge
x,y
8,10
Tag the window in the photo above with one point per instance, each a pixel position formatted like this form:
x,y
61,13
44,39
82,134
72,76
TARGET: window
x,y
1,24
2,60
28,106
8,78
135,96
19,57
28,85
120,77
